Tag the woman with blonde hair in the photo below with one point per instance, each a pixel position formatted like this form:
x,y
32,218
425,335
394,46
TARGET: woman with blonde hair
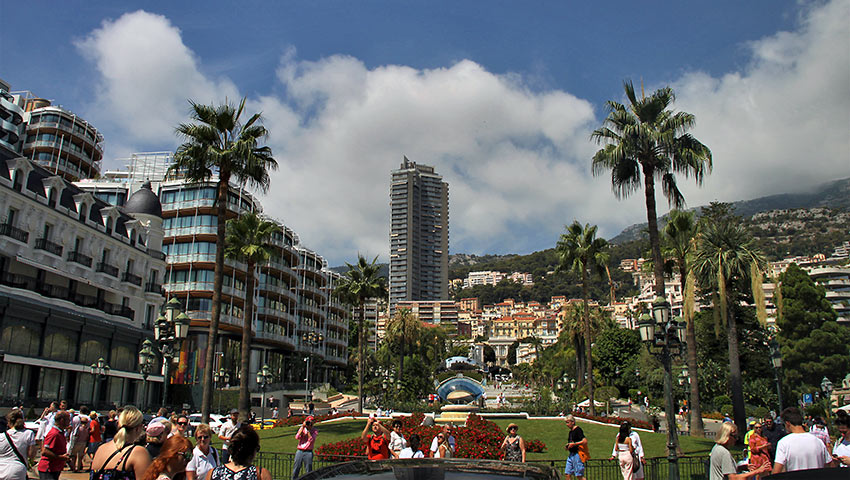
x,y
205,456
171,462
122,459
721,463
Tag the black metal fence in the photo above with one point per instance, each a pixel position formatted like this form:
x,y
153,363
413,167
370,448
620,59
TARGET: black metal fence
x,y
690,468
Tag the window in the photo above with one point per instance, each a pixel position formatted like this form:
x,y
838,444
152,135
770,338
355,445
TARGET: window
x,y
46,233
11,217
105,257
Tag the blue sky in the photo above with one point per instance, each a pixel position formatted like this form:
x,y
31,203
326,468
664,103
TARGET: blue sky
x,y
499,96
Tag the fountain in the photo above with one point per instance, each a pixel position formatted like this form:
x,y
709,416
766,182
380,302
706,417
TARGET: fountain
x,y
459,392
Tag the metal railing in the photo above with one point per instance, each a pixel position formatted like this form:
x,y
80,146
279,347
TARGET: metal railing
x,y
690,468
78,257
14,232
130,278
48,246
107,269
154,287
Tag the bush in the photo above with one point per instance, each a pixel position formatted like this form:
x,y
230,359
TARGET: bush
x,y
479,438
633,394
713,416
815,410
727,410
721,400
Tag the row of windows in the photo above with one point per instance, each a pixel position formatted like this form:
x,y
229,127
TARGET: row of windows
x,y
195,193
189,248
203,276
63,347
65,145
53,118
272,304
190,221
205,305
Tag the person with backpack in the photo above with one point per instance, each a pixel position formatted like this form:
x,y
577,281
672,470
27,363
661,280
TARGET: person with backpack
x,y
204,456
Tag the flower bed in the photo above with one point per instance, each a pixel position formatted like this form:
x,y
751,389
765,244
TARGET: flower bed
x,y
614,420
479,438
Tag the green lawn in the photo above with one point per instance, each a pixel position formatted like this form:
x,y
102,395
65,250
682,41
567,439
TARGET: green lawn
x,y
552,432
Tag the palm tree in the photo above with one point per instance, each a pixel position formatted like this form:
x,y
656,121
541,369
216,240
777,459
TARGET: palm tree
x,y
220,143
361,283
645,136
580,252
573,329
249,239
679,239
727,262
403,328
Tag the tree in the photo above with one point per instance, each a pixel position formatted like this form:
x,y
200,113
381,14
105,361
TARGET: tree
x,y
579,251
249,238
813,344
220,143
728,264
679,242
647,137
360,283
403,329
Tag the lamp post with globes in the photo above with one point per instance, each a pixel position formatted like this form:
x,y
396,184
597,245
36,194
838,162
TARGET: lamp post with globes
x,y
776,361
264,377
827,388
99,370
147,359
220,377
312,340
664,336
170,330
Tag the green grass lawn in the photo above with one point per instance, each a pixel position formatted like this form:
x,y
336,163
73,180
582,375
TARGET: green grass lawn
x,y
551,432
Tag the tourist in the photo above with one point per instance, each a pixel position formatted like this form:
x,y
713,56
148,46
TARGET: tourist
x,y
447,431
721,464
122,459
204,456
397,441
576,440
773,432
110,426
513,446
306,436
54,452
226,431
637,472
377,444
275,413
752,428
172,460
244,445
182,427
45,421
819,430
626,453
799,450
161,415
412,451
17,447
156,433
841,451
759,449
79,442
95,435
444,449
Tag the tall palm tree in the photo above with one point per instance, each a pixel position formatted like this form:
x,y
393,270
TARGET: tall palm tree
x,y
359,284
573,328
727,261
403,329
219,142
645,137
680,241
581,252
248,239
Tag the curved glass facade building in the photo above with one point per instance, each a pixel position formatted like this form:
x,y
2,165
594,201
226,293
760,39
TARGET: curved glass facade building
x,y
11,122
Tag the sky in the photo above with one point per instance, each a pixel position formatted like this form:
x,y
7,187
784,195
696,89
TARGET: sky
x,y
499,96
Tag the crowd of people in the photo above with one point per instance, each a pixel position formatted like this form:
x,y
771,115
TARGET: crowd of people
x,y
120,446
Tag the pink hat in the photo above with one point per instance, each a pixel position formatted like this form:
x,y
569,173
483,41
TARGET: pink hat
x,y
155,429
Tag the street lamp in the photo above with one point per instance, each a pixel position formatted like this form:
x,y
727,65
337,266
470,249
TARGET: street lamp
x,y
100,370
170,330
147,358
264,377
311,339
664,337
776,360
827,387
219,377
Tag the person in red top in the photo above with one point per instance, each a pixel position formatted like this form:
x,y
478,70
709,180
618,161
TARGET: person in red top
x,y
377,444
95,437
54,453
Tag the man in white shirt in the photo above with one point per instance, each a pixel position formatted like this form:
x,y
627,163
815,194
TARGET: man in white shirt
x,y
226,431
799,450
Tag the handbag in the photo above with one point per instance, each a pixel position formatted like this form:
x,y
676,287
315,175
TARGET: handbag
x,y
584,453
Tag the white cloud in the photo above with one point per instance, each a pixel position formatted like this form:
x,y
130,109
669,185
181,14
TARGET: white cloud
x,y
516,159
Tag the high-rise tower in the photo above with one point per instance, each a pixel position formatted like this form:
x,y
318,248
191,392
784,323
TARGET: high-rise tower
x,y
419,234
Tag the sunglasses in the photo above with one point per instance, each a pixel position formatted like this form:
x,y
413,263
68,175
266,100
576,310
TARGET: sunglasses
x,y
182,423
203,437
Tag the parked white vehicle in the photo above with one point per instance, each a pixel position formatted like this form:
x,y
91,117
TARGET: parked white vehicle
x,y
215,421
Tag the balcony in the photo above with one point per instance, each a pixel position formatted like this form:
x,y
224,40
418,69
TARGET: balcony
x,y
78,257
14,233
48,246
107,269
153,287
130,278
119,310
156,254
63,293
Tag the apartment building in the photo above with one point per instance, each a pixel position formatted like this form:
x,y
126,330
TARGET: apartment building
x,y
81,280
419,235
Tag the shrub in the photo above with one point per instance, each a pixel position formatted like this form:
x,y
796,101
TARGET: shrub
x,y
479,438
727,410
721,400
761,412
713,416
